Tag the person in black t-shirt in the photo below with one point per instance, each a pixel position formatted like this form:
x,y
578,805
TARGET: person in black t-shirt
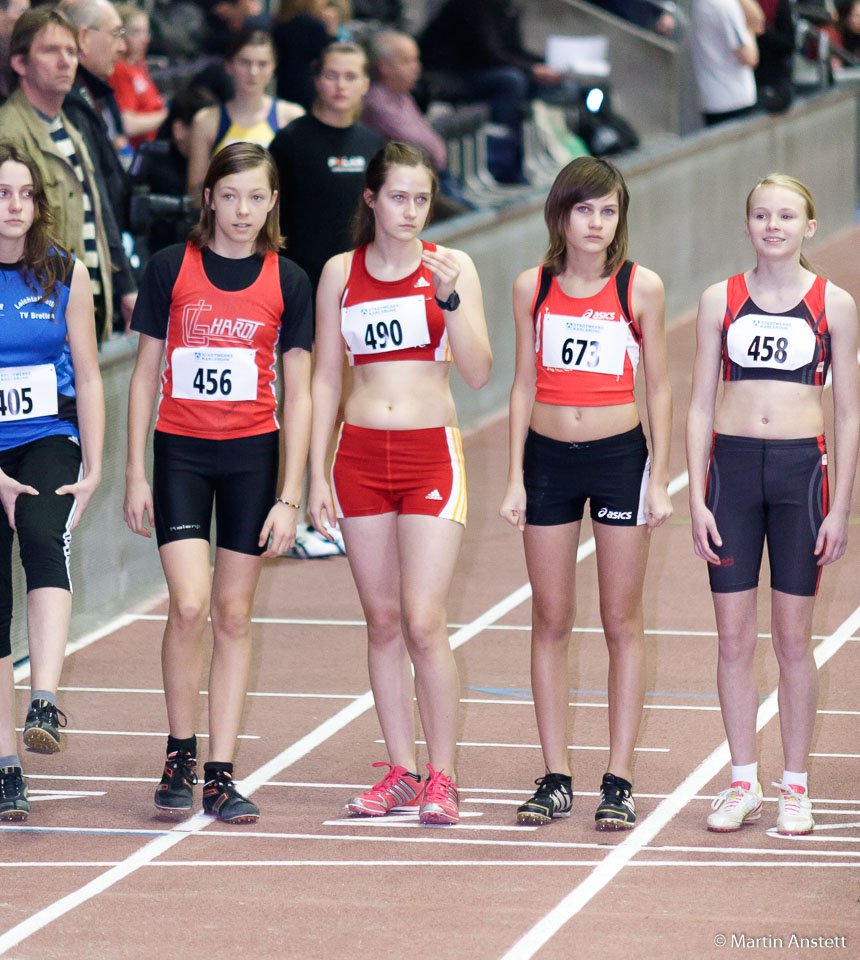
x,y
321,159
218,309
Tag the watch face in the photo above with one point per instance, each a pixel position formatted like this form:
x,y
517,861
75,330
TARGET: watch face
x,y
452,303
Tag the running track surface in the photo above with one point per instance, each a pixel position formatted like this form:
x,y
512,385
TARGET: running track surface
x,y
95,872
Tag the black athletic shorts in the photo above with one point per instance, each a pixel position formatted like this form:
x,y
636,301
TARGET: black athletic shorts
x,y
774,490
43,522
189,474
611,473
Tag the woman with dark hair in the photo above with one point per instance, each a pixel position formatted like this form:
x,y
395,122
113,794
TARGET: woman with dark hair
x,y
51,434
252,116
218,308
758,473
403,309
582,320
845,34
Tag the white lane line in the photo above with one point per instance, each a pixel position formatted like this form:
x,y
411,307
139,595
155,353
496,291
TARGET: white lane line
x,y
138,733
536,746
528,945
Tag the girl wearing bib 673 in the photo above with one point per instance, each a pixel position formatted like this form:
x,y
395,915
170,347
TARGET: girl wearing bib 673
x,y
583,318
221,310
758,472
405,310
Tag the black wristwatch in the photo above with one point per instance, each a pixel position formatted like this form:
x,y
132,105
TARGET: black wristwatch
x,y
452,303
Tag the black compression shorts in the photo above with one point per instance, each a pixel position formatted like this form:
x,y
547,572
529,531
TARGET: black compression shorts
x,y
190,473
612,473
767,490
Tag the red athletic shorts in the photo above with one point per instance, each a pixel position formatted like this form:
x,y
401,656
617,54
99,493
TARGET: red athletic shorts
x,y
399,471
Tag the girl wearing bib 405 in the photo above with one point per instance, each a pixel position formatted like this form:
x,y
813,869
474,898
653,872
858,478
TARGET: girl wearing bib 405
x,y
583,318
405,310
220,309
51,432
758,472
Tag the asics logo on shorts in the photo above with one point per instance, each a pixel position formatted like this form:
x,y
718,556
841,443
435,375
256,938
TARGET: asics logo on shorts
x,y
615,514
598,314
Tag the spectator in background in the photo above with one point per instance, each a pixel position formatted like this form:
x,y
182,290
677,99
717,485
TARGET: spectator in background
x,y
300,36
844,35
479,44
223,20
649,14
91,106
390,109
337,15
251,115
10,10
321,159
725,53
44,57
775,52
141,105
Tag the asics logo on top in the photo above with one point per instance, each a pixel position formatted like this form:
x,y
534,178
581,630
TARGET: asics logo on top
x,y
198,327
421,282
433,495
614,514
598,314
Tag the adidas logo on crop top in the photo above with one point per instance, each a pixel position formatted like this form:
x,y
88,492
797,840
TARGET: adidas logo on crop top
x,y
392,320
793,345
587,348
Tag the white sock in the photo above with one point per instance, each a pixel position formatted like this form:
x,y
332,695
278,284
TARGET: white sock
x,y
795,780
747,773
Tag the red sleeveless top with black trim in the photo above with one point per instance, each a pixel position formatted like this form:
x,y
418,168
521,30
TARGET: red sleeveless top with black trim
x,y
587,348
392,319
793,346
221,351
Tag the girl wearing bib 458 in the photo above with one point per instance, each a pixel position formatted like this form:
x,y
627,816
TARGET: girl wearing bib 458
x,y
405,310
51,432
582,320
758,472
220,308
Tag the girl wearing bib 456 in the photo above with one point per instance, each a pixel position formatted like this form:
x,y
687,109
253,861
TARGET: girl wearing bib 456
x,y
582,320
758,472
220,309
405,310
51,432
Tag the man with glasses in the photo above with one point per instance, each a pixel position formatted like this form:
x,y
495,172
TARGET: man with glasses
x,y
92,108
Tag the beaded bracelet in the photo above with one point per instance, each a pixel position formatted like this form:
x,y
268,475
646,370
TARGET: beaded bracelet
x,y
288,503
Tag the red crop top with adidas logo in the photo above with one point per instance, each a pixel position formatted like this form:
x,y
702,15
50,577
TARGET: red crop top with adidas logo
x,y
392,319
793,345
587,348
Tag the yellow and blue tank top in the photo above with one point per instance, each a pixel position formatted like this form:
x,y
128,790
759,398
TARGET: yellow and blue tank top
x,y
261,133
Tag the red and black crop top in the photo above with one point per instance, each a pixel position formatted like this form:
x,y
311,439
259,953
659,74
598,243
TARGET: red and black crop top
x,y
793,345
587,348
392,319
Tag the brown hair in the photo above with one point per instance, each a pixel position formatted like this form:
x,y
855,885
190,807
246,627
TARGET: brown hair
x,y
250,38
45,262
393,154
295,8
790,183
235,158
586,178
27,26
339,47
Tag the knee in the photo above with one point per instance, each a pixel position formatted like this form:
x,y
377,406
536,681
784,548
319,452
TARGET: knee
x,y
736,649
621,629
424,629
231,619
552,623
791,648
383,626
188,614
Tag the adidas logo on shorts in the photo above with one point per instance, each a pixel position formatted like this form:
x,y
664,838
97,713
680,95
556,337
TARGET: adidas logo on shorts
x,y
433,495
421,282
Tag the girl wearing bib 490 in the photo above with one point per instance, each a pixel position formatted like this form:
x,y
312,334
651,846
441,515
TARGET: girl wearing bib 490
x,y
220,309
758,472
405,310
51,432
583,318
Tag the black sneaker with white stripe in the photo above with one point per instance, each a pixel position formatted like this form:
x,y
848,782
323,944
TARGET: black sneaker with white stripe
x,y
616,810
13,794
553,798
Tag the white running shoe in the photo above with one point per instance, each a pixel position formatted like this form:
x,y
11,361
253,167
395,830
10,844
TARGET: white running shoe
x,y
795,810
310,545
734,807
